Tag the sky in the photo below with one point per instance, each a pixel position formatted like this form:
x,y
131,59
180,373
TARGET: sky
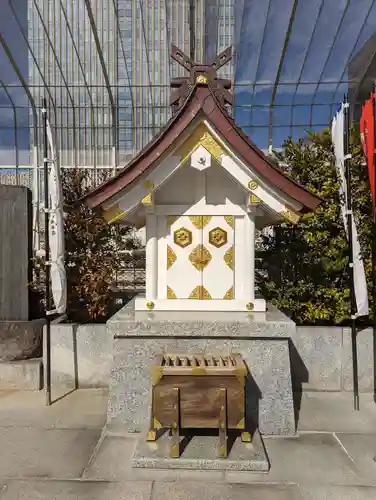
x,y
312,75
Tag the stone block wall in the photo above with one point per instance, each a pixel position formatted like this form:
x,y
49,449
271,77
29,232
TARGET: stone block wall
x,y
321,357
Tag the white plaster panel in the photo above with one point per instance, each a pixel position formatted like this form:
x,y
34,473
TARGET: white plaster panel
x,y
221,189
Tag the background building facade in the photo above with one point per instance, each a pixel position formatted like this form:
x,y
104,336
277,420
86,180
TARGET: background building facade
x,y
105,68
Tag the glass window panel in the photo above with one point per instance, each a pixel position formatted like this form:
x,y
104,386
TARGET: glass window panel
x,y
324,36
260,116
260,136
280,135
305,20
301,115
282,115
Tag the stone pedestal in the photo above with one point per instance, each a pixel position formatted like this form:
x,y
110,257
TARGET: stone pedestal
x,y
261,338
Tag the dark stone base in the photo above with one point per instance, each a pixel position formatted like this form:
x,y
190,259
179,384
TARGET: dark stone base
x,y
201,453
21,339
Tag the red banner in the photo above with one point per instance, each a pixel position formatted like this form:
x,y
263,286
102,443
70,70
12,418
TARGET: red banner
x,y
367,135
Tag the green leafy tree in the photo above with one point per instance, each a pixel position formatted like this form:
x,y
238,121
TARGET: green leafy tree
x,y
304,268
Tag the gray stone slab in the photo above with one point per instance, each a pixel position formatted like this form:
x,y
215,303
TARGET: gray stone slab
x,y
76,490
112,461
320,349
334,412
269,391
365,360
15,252
309,458
314,492
25,375
201,453
81,356
82,409
193,491
362,450
45,453
130,323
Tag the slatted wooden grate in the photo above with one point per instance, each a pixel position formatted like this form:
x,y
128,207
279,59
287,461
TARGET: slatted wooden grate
x,y
194,361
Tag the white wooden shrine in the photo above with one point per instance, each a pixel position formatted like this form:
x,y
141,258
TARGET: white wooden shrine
x,y
202,189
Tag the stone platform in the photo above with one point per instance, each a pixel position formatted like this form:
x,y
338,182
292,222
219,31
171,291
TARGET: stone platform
x,y
261,338
201,453
24,375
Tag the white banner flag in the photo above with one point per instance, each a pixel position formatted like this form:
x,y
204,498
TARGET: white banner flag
x,y
360,283
56,232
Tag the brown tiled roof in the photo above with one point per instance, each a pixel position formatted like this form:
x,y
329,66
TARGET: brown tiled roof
x,y
202,102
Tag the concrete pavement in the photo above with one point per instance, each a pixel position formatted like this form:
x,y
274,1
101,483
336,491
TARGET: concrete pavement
x,y
63,453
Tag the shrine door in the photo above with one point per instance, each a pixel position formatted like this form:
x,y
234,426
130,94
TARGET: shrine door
x,y
200,257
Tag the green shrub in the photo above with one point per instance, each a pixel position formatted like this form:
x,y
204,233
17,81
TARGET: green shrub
x,y
305,267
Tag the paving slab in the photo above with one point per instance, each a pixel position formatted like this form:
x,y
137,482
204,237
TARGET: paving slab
x,y
112,461
314,492
30,452
310,457
76,490
194,491
334,412
362,450
82,409
201,453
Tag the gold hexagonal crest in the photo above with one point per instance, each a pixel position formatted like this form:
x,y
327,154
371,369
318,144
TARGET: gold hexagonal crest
x,y
252,185
183,237
200,257
217,237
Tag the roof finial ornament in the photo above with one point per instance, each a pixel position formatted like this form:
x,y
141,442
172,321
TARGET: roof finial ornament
x,y
200,74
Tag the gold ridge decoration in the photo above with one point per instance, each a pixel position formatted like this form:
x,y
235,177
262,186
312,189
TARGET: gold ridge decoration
x,y
170,293
229,258
254,200
211,145
217,237
200,293
200,257
182,237
291,216
171,219
200,221
148,184
201,79
113,214
229,295
171,257
200,136
252,185
147,200
230,220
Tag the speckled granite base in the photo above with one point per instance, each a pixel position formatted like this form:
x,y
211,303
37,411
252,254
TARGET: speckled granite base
x,y
262,339
201,453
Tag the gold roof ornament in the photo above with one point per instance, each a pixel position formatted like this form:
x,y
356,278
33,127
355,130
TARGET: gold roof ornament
x,y
202,79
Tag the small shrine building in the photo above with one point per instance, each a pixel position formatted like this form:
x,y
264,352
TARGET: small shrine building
x,y
201,188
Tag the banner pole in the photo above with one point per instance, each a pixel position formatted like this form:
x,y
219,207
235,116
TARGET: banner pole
x,y
373,264
47,344
349,215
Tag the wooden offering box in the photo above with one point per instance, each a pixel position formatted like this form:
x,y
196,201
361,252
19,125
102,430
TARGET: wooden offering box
x,y
198,392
